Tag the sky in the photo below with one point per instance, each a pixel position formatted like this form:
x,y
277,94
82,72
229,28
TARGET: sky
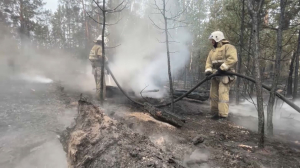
x,y
51,4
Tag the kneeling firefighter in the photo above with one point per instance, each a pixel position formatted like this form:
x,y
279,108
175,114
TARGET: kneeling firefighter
x,y
96,60
223,57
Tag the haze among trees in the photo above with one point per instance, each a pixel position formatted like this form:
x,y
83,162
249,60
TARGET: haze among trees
x,y
266,34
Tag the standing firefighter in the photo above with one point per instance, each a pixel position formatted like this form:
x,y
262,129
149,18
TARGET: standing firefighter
x,y
96,60
222,57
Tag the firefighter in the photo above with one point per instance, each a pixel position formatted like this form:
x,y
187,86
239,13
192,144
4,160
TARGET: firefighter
x,y
96,60
223,57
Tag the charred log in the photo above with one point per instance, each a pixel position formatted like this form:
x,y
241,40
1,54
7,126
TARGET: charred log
x,y
202,96
98,141
164,116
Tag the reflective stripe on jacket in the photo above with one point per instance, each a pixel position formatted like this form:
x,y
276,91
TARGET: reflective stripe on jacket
x,y
223,57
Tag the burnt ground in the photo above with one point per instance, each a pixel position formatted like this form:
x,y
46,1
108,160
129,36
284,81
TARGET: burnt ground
x,y
203,142
31,114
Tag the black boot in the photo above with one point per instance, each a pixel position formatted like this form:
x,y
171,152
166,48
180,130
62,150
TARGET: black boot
x,y
215,117
223,118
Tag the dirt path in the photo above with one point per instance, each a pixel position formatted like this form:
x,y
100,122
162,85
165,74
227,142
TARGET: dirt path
x,y
30,116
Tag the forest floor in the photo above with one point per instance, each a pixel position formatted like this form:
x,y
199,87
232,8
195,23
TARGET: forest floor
x,y
32,114
203,142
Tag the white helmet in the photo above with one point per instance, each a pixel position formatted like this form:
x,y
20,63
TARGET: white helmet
x,y
100,39
217,36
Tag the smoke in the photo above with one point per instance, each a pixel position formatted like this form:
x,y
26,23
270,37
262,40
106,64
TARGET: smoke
x,y
45,66
141,60
35,78
285,118
198,158
50,154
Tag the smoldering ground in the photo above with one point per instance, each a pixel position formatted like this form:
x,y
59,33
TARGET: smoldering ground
x,y
285,118
30,111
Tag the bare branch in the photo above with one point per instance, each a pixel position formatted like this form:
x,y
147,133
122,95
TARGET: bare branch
x,y
180,21
115,11
178,14
290,38
155,24
107,24
174,42
119,5
157,7
160,41
113,46
155,13
114,23
176,27
270,27
93,19
142,94
98,6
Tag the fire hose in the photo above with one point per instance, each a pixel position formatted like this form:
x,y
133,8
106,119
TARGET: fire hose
x,y
290,103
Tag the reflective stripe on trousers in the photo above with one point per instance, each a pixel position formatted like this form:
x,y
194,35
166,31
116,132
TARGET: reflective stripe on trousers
x,y
219,96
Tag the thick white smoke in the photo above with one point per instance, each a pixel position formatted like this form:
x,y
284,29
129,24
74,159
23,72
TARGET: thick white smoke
x,y
284,117
141,60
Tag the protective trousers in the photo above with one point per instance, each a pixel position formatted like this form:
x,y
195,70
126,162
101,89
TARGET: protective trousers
x,y
219,96
97,76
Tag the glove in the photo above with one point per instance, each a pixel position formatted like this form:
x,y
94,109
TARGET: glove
x,y
220,71
208,73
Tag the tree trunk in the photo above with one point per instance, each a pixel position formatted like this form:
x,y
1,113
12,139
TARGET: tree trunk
x,y
237,101
168,55
247,85
87,32
290,78
296,70
260,109
276,71
253,74
23,31
103,55
185,74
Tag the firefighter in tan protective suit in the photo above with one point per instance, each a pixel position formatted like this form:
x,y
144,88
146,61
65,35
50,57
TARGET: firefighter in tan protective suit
x,y
223,57
96,60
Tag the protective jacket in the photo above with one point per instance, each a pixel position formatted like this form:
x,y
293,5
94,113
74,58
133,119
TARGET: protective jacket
x,y
96,53
224,56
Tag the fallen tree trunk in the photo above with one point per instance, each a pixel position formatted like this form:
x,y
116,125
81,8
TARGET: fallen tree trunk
x,y
164,116
97,141
202,96
160,115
